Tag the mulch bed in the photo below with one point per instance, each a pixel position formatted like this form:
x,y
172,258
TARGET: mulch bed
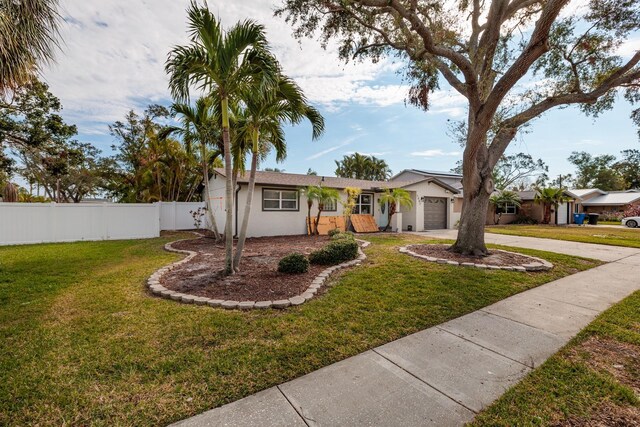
x,y
258,279
498,258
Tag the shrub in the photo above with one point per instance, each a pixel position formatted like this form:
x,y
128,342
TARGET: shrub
x,y
632,211
342,236
612,216
524,219
335,252
334,232
293,264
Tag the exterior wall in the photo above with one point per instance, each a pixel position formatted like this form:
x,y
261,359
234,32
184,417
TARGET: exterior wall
x,y
610,208
216,199
276,223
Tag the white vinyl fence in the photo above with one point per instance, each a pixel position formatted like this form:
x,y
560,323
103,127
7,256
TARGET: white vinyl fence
x,y
22,223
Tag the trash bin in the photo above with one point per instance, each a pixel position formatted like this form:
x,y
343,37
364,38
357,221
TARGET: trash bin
x,y
578,218
593,218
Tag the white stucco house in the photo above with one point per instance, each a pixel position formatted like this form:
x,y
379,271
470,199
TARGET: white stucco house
x,y
279,207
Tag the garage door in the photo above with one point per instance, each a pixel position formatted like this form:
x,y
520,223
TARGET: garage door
x,y
563,213
435,213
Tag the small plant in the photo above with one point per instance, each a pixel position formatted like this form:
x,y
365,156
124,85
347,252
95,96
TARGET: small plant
x,y
197,217
336,252
524,219
333,232
294,263
342,236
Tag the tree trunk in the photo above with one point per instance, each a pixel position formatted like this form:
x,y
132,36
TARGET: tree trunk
x,y
247,209
309,226
207,197
390,213
228,228
477,183
320,208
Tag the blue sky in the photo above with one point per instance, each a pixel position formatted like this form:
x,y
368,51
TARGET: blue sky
x,y
113,60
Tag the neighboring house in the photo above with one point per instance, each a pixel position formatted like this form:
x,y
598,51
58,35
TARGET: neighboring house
x,y
529,208
597,201
280,208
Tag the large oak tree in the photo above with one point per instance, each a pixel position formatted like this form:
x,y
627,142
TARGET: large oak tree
x,y
512,60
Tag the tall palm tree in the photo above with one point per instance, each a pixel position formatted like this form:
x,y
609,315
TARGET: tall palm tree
x,y
28,36
500,200
265,112
549,197
396,198
224,65
199,125
325,195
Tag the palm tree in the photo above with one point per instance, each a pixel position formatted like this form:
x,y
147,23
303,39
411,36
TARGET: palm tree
x,y
311,193
265,113
198,125
29,36
548,197
224,65
500,200
396,198
359,166
325,195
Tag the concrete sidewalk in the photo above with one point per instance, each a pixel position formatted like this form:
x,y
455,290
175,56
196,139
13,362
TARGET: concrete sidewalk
x,y
444,375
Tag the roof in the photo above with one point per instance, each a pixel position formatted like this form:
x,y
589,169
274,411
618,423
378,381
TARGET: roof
x,y
452,179
303,180
613,198
581,192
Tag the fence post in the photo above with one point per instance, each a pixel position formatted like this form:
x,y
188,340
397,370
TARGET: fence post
x,y
158,215
52,219
105,222
175,215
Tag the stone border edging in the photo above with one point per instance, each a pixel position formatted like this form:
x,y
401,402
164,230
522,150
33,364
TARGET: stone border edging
x,y
157,289
538,264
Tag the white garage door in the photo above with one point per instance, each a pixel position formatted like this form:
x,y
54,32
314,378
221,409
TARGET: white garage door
x,y
563,212
435,213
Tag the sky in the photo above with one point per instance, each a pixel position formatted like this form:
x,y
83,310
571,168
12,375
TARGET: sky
x,y
112,60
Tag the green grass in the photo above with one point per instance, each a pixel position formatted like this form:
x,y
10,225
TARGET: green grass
x,y
566,386
604,235
610,222
83,343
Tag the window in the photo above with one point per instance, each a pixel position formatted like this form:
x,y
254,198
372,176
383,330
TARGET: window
x,y
279,200
331,205
508,208
364,204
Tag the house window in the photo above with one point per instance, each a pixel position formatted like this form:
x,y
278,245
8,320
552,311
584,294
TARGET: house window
x,y
364,204
508,208
331,205
279,200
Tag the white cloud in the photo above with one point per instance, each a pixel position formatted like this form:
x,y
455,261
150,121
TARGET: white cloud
x,y
114,53
435,153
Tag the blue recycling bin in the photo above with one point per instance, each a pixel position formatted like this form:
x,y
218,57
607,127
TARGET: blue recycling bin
x,y
578,218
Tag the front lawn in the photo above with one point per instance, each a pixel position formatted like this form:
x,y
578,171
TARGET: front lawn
x,y
604,235
594,380
82,342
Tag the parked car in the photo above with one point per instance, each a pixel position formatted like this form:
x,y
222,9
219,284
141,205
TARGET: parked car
x,y
631,222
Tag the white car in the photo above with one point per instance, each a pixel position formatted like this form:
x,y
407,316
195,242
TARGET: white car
x,y
631,222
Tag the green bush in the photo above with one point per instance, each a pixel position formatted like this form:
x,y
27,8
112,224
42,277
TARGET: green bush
x,y
336,252
334,232
524,219
293,264
342,236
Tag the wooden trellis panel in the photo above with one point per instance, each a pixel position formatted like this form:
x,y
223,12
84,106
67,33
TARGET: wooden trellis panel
x,y
328,223
364,223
